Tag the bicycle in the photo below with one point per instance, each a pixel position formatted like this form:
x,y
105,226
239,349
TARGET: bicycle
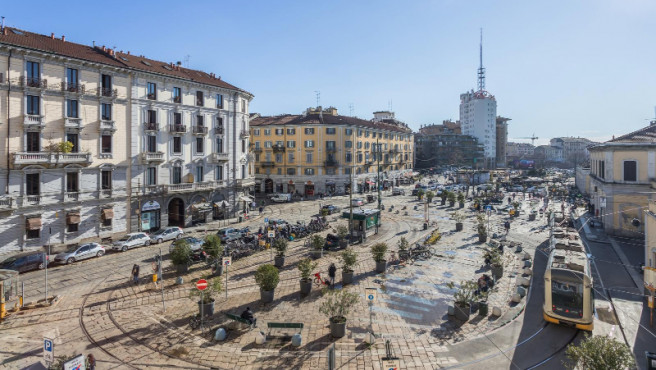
x,y
318,281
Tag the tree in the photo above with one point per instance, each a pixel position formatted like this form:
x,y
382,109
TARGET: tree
x,y
430,195
420,193
599,352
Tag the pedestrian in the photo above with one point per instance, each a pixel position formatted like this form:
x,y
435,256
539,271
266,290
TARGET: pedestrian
x,y
248,315
91,362
135,274
331,273
261,209
507,226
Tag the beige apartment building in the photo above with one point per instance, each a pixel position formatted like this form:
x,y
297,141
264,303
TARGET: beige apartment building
x,y
317,151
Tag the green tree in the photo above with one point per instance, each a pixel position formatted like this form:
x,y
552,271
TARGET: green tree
x,y
430,195
599,352
420,194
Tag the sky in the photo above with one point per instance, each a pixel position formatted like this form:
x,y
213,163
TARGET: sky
x,y
556,68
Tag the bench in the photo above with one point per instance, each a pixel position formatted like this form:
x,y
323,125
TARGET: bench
x,y
239,319
284,325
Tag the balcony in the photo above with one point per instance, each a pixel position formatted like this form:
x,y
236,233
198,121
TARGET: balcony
x,y
106,125
244,183
33,122
199,130
32,200
152,157
151,126
219,157
154,189
278,148
331,163
257,149
151,96
106,193
267,163
107,92
73,123
331,150
199,102
190,187
219,130
50,159
177,129
72,158
34,82
7,203
74,88
244,134
72,196
177,99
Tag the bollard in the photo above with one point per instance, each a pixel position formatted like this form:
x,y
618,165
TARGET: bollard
x,y
528,271
496,311
260,338
522,281
297,340
527,263
521,291
451,311
220,334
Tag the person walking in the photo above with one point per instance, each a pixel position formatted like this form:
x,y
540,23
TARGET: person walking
x,y
90,362
135,274
331,273
506,225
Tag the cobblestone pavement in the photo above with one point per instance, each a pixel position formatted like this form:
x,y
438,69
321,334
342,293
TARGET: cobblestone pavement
x,y
125,326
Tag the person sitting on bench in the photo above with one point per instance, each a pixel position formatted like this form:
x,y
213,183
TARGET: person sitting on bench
x,y
248,315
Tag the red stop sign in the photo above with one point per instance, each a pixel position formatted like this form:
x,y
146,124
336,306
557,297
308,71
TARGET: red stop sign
x,y
201,284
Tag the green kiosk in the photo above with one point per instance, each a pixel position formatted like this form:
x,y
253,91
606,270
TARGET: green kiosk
x,y
365,223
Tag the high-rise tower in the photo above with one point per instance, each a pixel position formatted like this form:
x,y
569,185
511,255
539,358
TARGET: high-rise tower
x,y
478,111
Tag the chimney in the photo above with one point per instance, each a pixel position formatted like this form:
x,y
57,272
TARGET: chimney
x,y
128,52
52,35
63,38
104,48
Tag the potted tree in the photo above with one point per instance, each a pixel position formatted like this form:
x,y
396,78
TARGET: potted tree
x,y
280,245
458,218
342,234
378,251
451,197
349,258
306,266
443,196
403,248
214,287
317,243
180,255
214,251
461,200
267,278
532,215
516,206
420,194
336,306
462,298
481,229
494,258
429,196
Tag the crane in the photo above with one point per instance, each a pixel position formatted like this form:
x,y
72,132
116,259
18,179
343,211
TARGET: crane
x,y
532,138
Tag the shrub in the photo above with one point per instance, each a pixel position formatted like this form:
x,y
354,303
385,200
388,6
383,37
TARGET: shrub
x,y
600,352
429,196
212,246
465,293
267,277
280,245
378,251
305,266
480,227
420,193
342,231
338,304
349,258
458,217
461,198
181,252
403,244
451,197
317,242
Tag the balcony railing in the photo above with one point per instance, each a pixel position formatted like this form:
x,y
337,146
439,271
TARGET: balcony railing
x,y
199,102
278,148
69,158
33,121
331,163
107,125
71,122
257,149
151,126
152,156
331,150
33,82
177,128
199,130
189,187
244,182
6,203
106,193
107,92
151,96
72,196
33,199
219,130
244,134
267,163
220,157
177,99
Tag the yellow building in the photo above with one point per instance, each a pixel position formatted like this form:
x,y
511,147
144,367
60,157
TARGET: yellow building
x,y
622,180
315,152
650,249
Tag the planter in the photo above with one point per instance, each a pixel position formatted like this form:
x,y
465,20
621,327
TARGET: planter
x,y
443,202
347,277
482,238
459,226
482,308
279,261
337,329
462,312
381,266
315,254
343,243
208,308
451,204
306,287
531,216
497,271
266,296
516,214
182,269
462,205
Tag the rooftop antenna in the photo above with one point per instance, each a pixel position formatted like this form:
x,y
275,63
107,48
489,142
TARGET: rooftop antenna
x,y
351,109
318,94
186,60
481,70
389,105
3,23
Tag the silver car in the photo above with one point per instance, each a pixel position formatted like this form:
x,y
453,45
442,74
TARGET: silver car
x,y
130,241
195,244
81,252
167,233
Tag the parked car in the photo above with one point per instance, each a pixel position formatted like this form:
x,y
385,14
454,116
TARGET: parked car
x,y
398,191
81,252
131,241
194,243
25,262
331,208
281,198
229,234
357,202
167,233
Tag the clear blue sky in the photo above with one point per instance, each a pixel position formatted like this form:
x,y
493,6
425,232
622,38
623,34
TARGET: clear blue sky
x,y
579,68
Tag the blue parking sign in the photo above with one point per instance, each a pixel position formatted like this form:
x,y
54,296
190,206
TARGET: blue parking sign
x,y
266,220
48,350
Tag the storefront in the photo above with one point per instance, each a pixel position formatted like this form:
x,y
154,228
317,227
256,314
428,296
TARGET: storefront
x,y
291,187
268,186
309,189
200,211
330,187
150,216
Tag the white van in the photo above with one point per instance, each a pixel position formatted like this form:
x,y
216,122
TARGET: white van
x,y
281,198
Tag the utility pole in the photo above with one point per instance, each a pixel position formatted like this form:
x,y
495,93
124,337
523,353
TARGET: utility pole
x,y
138,204
378,183
351,188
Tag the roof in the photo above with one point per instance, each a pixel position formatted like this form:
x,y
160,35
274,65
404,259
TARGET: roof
x,y
50,44
643,135
325,119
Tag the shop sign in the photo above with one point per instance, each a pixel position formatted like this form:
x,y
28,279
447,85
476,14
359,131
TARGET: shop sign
x,y
150,206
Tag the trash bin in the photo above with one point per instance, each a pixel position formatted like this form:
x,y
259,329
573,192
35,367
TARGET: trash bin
x,y
241,218
425,226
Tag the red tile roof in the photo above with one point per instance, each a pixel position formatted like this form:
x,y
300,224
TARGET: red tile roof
x,y
326,119
58,46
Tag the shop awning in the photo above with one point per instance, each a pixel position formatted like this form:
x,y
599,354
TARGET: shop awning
x,y
201,206
33,223
108,213
72,218
221,203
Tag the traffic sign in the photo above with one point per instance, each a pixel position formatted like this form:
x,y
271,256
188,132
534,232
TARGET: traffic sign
x,y
227,261
371,294
266,220
76,363
271,234
48,350
201,284
392,364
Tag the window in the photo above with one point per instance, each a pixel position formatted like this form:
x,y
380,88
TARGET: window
x,y
309,143
34,234
291,171
73,139
630,171
330,146
71,79
71,228
330,131
219,101
243,105
177,95
309,131
219,145
33,105
219,123
71,108
267,132
219,172
280,131
373,135
176,175
152,116
151,91
200,120
199,145
151,176
106,83
330,171
291,144
106,111
177,145
348,132
257,157
33,142
359,132
347,170
366,133
151,143
291,131
200,173
278,157
359,157
105,180
256,132
308,158
177,118
348,144
32,184
290,158
366,146
106,221
243,146
257,145
267,144
33,74
280,143
243,171
199,98
72,185
309,171
349,157
359,144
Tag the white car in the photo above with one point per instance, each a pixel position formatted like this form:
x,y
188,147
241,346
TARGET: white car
x,y
131,241
281,198
167,233
357,203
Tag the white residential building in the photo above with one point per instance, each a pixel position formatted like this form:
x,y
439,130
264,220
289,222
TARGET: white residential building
x,y
478,112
